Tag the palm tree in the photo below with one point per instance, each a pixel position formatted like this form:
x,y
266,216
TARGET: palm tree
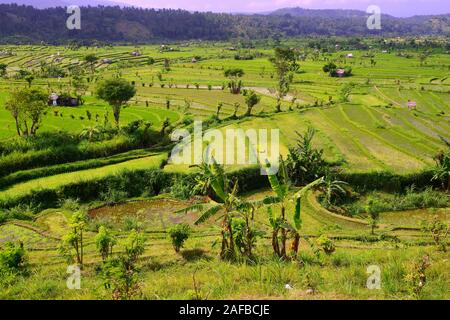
x,y
89,132
213,177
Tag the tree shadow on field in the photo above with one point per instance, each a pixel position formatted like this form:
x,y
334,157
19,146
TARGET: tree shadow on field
x,y
194,255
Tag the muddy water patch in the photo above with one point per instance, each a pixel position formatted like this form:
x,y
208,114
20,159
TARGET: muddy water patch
x,y
157,214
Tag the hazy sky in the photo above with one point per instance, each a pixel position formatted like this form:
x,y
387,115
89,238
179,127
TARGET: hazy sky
x,y
394,7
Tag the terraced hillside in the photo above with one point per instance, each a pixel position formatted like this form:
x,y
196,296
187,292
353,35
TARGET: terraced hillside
x,y
124,179
163,280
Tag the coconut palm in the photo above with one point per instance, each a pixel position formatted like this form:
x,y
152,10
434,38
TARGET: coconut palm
x,y
89,132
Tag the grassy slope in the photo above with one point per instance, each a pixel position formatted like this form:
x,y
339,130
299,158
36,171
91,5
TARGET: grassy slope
x,y
166,275
55,181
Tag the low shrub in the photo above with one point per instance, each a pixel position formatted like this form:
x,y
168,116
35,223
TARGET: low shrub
x,y
409,200
178,235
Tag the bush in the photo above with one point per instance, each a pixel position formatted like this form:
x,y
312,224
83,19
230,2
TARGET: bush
x,y
131,223
17,160
70,204
409,200
112,196
326,244
13,257
179,234
113,188
19,212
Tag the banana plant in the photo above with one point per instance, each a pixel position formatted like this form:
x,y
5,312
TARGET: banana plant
x,y
297,214
279,224
281,186
225,206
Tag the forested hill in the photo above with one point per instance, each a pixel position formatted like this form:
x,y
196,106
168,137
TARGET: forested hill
x,y
114,24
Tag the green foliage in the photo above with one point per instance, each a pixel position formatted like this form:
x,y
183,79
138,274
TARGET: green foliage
x,y
326,244
442,170
251,100
91,59
305,163
285,63
234,84
27,107
438,230
212,178
417,277
178,234
116,92
70,204
121,274
409,200
72,244
18,212
132,223
3,69
345,92
13,257
113,196
104,242
373,210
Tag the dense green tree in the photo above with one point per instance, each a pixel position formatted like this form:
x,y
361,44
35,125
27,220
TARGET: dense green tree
x,y
285,63
3,68
27,107
251,100
117,92
234,75
91,59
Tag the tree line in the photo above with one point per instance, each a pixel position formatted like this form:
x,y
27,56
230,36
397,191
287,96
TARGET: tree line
x,y
25,24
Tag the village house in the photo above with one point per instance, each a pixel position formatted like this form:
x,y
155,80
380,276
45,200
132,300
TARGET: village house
x,y
412,105
340,73
64,101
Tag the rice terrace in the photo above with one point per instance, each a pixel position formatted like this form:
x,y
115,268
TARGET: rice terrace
x,y
358,209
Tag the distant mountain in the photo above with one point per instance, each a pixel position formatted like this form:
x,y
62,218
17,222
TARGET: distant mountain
x,y
329,13
24,24
42,4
